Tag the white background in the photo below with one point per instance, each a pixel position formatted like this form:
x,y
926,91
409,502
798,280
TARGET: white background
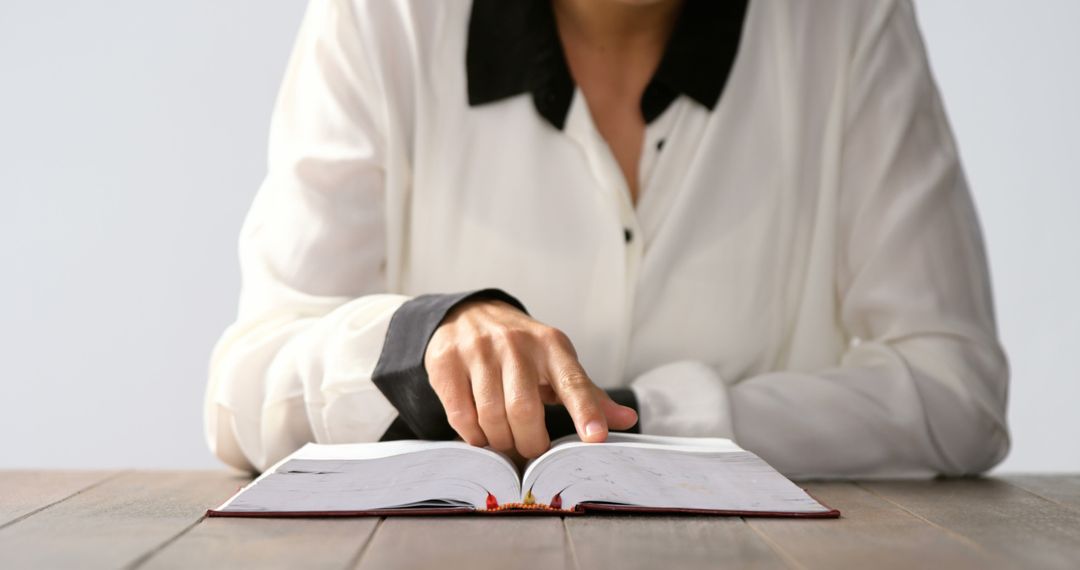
x,y
132,139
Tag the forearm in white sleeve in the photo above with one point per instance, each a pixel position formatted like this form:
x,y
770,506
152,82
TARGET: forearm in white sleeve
x,y
922,388
683,398
296,365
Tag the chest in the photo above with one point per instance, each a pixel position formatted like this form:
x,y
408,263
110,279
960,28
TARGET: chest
x,y
706,265
611,92
722,254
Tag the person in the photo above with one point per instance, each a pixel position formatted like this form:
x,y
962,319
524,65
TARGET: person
x,y
508,221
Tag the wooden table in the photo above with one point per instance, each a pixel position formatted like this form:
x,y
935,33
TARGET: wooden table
x,y
145,519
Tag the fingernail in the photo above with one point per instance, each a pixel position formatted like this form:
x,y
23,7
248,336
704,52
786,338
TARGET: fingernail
x,y
594,427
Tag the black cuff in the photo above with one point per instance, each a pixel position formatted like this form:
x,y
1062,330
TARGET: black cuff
x,y
400,374
397,430
559,422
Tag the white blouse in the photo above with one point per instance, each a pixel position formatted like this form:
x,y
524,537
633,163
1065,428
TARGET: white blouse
x,y
804,271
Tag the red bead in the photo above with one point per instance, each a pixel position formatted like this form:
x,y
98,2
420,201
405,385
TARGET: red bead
x,y
491,502
556,501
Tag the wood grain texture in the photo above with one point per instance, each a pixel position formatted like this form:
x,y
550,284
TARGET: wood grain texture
x,y
24,492
648,542
871,533
267,543
152,519
1062,489
1017,526
476,543
115,523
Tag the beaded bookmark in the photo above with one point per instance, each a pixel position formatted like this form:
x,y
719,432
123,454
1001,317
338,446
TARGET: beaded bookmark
x,y
528,504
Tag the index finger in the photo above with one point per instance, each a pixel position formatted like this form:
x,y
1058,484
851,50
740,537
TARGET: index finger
x,y
573,386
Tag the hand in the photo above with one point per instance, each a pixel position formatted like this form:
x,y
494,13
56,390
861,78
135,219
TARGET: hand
x,y
494,367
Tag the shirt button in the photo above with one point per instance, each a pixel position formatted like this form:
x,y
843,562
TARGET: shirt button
x,y
628,235
660,144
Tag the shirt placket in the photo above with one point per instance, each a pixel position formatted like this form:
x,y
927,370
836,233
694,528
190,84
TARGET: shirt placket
x,y
613,195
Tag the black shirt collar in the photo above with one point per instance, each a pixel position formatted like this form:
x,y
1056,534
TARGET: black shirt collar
x,y
514,48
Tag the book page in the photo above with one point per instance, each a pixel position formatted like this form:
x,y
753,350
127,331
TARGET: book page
x,y
662,472
367,476
689,444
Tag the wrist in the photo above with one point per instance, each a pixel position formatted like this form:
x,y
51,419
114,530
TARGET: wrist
x,y
400,373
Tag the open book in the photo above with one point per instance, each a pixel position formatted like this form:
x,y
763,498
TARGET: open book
x,y
628,472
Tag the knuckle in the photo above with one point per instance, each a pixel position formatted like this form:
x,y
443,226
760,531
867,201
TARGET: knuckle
x,y
554,336
476,344
500,331
441,353
461,418
509,339
490,414
523,408
574,380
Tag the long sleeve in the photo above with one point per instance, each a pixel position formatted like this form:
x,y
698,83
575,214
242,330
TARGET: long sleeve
x,y
922,387
296,365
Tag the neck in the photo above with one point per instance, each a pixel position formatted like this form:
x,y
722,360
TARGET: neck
x,y
619,25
